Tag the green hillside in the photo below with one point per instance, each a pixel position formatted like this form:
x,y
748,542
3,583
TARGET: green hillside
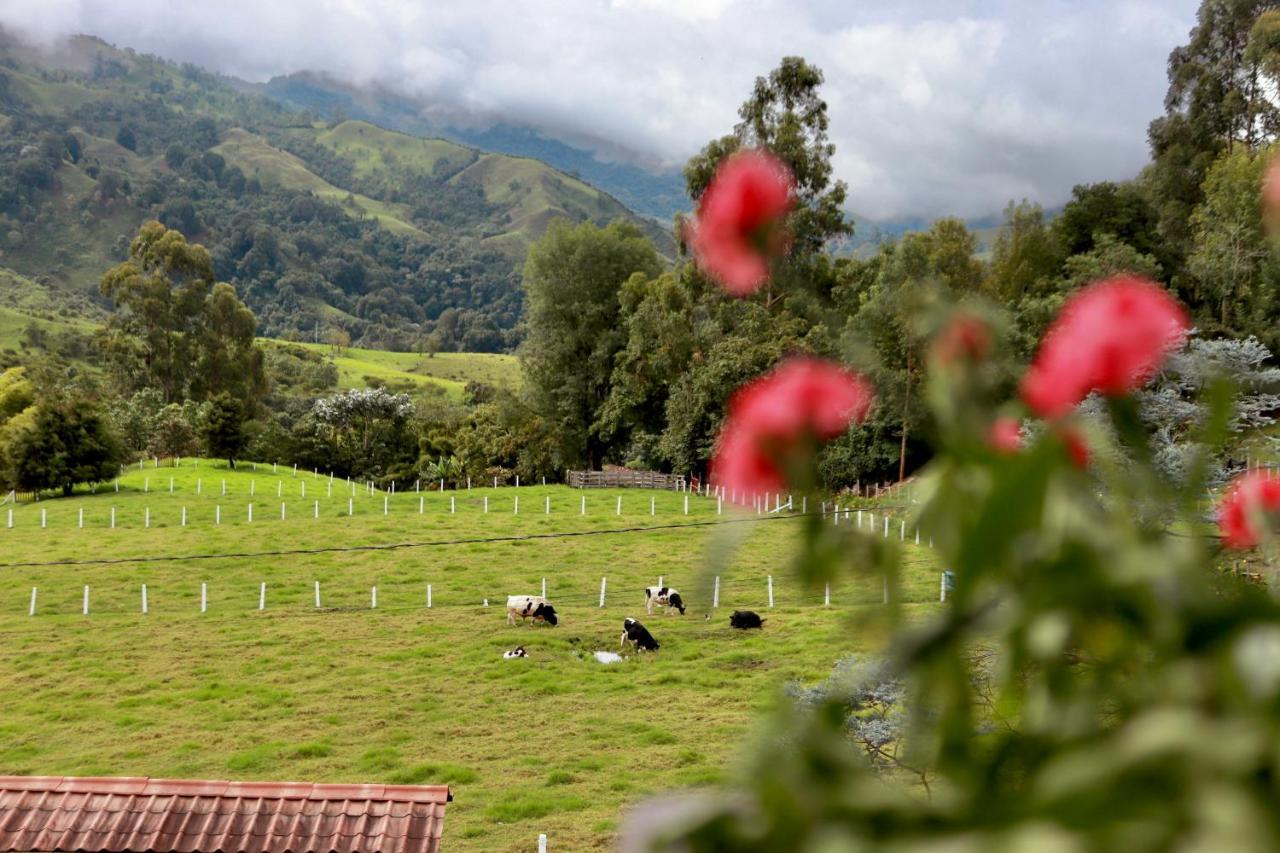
x,y
392,238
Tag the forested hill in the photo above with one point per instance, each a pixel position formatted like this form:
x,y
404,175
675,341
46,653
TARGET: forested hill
x,y
396,240
658,194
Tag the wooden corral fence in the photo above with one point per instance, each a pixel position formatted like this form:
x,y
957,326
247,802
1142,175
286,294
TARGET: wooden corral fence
x,y
622,478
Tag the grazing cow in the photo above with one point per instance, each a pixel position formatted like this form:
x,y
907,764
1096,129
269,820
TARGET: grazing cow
x,y
530,606
636,634
663,596
744,619
517,652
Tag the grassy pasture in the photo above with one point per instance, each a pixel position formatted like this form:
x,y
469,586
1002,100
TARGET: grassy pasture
x,y
555,743
449,370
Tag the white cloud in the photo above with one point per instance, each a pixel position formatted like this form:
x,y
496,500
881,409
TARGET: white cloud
x,y
936,107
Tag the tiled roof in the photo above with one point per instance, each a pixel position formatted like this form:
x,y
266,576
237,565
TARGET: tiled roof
x,y
68,813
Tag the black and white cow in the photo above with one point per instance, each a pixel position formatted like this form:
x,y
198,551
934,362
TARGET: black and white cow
x,y
744,619
517,652
636,634
663,596
530,607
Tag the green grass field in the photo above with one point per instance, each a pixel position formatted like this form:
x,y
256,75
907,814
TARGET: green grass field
x,y
448,370
555,743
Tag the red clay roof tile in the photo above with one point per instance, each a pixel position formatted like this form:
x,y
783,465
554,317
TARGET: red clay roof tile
x,y
113,815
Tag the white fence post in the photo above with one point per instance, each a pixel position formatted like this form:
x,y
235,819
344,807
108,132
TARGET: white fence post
x,y
719,505
618,511
902,531
11,518
43,523
486,503
113,518
84,608
686,503
653,505
421,504
262,596
204,597
317,595
942,587
253,488
304,489
282,510
144,599
542,842
602,587
217,515
451,504
715,595
385,508
224,487
548,510
584,505
373,598
199,486
428,596
886,527
516,511
170,485
31,611
544,587
826,595
351,506
251,512
184,516
146,517
81,517
316,510
771,590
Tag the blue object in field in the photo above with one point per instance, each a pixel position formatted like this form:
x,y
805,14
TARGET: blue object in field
x,y
949,582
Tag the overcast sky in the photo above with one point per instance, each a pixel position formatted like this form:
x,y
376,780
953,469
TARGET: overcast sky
x,y
936,107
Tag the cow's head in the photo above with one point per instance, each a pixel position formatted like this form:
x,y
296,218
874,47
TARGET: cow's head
x,y
677,602
548,613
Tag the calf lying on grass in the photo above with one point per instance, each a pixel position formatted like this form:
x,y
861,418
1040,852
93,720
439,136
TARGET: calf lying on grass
x,y
663,596
636,634
530,606
517,652
744,619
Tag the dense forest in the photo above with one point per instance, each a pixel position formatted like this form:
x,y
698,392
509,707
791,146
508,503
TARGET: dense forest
x,y
627,358
398,242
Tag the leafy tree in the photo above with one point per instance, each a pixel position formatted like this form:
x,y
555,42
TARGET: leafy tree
x,y
125,138
365,432
177,331
1025,257
1122,211
572,280
1229,258
1218,97
224,431
68,442
786,115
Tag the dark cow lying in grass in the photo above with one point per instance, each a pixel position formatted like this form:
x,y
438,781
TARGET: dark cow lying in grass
x,y
530,607
663,596
636,634
744,619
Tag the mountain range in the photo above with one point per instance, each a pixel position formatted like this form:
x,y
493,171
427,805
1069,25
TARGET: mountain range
x,y
323,226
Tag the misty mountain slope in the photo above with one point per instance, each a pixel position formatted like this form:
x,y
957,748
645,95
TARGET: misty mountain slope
x,y
396,239
657,194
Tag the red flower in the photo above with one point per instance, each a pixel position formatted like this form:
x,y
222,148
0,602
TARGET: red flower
x,y
964,337
1006,435
773,418
1247,499
1110,337
739,217
1077,448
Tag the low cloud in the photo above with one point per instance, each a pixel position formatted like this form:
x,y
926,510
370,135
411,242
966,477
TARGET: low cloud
x,y
936,107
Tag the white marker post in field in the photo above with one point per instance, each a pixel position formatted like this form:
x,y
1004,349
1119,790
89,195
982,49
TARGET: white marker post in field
x,y
428,596
262,596
113,518
351,506
217,514
715,594
516,511
544,587
84,607
317,595
486,503
31,611
584,505
204,597
144,599
618,511
603,582
771,591
373,599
